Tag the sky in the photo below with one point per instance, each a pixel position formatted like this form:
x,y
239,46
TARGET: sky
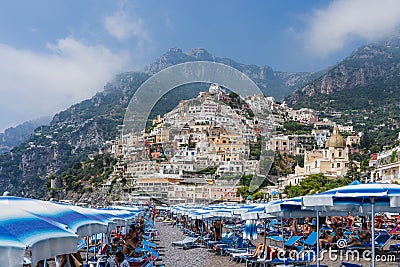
x,y
55,53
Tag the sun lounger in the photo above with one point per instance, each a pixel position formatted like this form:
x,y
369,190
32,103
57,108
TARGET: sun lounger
x,y
227,238
309,242
239,256
348,264
138,261
307,258
292,241
186,243
380,241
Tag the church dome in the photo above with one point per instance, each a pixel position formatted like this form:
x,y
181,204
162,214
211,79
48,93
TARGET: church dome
x,y
335,140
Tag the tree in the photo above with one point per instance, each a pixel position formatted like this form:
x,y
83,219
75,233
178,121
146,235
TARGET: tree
x,y
243,191
353,172
313,184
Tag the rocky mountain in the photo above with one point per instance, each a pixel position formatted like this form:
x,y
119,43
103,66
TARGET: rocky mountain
x,y
14,136
374,64
271,83
362,90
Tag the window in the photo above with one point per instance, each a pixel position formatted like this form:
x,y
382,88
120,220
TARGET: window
x,y
338,165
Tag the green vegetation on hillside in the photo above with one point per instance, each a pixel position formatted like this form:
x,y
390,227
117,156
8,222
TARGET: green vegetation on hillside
x,y
314,183
87,175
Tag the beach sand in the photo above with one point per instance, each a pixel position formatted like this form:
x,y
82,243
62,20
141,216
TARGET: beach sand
x,y
177,257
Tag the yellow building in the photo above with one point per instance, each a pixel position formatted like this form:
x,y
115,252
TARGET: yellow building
x,y
331,161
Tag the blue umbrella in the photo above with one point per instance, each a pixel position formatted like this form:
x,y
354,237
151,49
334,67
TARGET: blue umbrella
x,y
358,199
250,230
258,212
288,208
54,212
20,230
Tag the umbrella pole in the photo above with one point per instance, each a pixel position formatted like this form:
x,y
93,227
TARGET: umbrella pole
x,y
265,233
234,226
318,248
94,249
87,249
282,234
373,231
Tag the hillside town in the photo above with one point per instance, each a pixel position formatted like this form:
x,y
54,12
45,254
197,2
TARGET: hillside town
x,y
198,152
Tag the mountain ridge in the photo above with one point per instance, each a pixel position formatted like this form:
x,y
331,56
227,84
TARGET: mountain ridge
x,y
272,83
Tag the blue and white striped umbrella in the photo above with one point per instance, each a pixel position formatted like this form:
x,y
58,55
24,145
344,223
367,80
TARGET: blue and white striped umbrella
x,y
120,216
250,230
64,214
288,208
20,229
258,212
358,199
222,212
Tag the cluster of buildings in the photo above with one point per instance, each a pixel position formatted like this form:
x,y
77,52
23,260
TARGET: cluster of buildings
x,y
197,152
385,166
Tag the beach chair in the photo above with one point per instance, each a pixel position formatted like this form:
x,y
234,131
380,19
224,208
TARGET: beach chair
x,y
251,262
292,241
138,261
236,254
308,257
186,243
227,238
219,248
381,240
309,242
348,264
238,246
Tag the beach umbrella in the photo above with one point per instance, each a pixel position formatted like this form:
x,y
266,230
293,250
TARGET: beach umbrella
x,y
250,230
120,216
222,212
77,222
257,212
20,229
358,199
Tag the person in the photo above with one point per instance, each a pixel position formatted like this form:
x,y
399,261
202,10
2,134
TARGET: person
x,y
62,261
307,229
218,230
258,251
364,237
294,228
118,260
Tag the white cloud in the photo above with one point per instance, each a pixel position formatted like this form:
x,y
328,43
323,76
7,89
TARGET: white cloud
x,y
36,84
123,26
332,28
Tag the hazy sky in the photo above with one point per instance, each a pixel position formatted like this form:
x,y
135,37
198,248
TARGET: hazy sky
x,y
57,53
